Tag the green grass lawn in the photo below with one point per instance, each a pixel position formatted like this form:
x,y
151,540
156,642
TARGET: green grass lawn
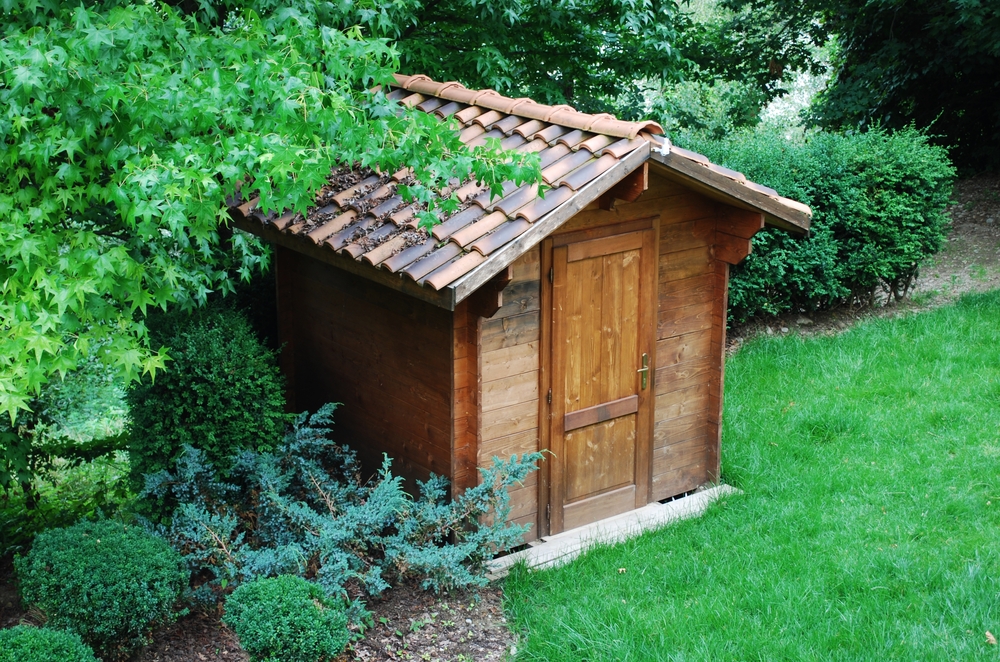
x,y
869,527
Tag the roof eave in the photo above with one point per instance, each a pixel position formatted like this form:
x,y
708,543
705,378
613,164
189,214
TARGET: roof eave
x,y
717,186
443,298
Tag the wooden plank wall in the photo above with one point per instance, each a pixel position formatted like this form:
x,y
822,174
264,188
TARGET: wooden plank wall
x,y
509,361
386,356
690,342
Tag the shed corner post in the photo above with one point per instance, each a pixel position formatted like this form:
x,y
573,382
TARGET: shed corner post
x,y
284,272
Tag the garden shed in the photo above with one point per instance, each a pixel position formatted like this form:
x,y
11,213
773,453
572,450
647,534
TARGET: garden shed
x,y
590,321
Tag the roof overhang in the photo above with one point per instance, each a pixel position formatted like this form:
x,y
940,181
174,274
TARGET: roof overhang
x,y
778,212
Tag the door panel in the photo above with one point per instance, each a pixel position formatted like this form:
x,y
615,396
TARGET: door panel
x,y
601,416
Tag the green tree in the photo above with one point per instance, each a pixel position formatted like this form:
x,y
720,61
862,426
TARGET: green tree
x,y
931,63
125,128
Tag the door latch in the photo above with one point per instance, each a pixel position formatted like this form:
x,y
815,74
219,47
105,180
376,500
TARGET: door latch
x,y
644,370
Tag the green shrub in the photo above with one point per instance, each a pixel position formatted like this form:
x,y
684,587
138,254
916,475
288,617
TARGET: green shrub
x,y
23,643
305,510
108,582
878,201
222,393
286,619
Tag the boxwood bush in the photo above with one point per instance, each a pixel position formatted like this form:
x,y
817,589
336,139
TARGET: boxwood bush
x,y
108,582
23,643
287,619
221,393
878,201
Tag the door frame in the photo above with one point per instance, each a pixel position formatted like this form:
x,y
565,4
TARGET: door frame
x,y
549,518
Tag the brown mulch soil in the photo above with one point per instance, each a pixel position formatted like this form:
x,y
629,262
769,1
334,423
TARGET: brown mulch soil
x,y
408,624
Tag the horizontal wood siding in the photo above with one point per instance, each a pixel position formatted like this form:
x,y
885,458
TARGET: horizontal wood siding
x,y
387,357
688,354
508,396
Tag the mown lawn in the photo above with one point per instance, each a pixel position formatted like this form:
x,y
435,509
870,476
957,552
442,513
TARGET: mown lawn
x,y
869,527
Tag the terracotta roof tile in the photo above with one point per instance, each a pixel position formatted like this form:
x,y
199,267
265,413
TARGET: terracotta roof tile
x,y
504,234
469,189
431,104
539,207
449,109
487,200
470,233
552,132
361,214
574,138
454,270
355,190
432,261
494,134
464,116
408,255
587,172
320,233
552,154
357,248
488,119
535,145
412,100
384,250
517,199
512,142
471,132
404,215
530,128
622,147
509,123
444,229
597,143
397,93
383,208
566,165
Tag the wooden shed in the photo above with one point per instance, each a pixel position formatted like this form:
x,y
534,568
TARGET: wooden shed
x,y
590,322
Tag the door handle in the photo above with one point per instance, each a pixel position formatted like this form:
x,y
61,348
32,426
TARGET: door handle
x,y
644,370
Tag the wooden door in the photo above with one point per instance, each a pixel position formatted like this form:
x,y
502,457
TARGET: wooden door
x,y
603,302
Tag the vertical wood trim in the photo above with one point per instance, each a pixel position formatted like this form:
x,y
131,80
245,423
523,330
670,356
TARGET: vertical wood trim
x,y
648,306
544,384
557,479
466,399
284,267
718,354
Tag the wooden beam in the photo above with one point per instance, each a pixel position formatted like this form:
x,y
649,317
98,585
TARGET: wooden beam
x,y
730,248
740,222
628,189
488,299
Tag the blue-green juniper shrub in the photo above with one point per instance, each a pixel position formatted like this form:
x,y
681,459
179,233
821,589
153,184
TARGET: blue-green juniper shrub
x,y
287,619
304,510
108,582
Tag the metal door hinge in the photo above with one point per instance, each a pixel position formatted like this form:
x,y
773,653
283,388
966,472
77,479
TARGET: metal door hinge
x,y
550,397
548,512
552,274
